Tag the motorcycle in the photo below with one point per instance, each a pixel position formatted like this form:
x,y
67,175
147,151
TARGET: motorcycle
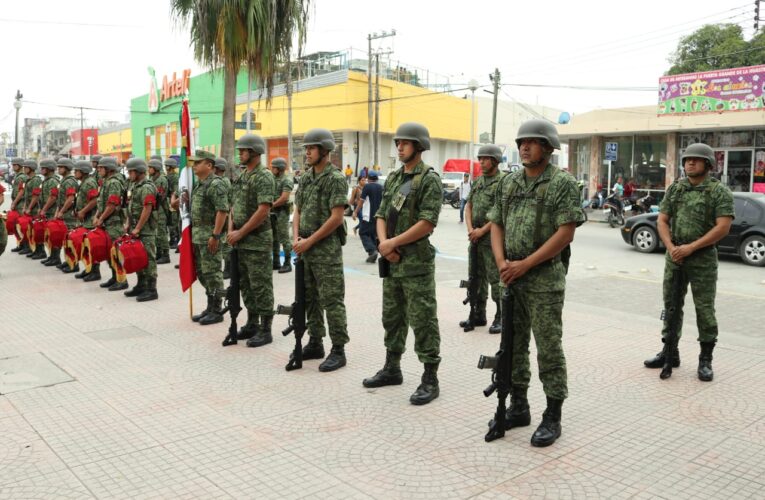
x,y
643,205
451,198
597,200
614,211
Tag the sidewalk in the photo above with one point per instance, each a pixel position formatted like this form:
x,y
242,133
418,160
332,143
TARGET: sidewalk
x,y
104,397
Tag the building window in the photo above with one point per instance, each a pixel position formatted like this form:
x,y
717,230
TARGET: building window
x,y
733,139
622,167
649,166
760,138
581,159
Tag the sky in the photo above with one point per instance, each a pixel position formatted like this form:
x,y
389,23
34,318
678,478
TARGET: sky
x,y
95,53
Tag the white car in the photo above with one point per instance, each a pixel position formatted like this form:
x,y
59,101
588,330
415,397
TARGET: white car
x,y
451,180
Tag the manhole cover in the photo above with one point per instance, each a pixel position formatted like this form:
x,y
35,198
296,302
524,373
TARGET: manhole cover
x,y
28,371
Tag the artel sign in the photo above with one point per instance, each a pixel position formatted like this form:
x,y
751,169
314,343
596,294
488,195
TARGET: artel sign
x,y
171,88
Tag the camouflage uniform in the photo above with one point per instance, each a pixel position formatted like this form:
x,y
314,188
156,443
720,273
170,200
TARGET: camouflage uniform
x,y
693,212
144,193
49,186
112,192
163,207
253,188
68,188
31,188
409,293
18,186
482,198
207,199
316,196
281,230
224,246
173,222
538,295
87,191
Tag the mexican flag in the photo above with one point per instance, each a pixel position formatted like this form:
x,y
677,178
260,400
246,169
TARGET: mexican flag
x,y
186,269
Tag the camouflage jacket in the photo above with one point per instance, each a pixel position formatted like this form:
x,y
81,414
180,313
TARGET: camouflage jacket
x,y
163,192
88,191
207,199
49,187
113,192
18,185
253,188
32,188
68,187
172,184
482,198
693,210
284,184
316,196
144,193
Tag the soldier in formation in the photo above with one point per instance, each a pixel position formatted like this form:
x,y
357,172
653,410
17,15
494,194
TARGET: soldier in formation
x,y
220,171
142,224
173,221
85,206
17,193
67,194
110,214
280,217
157,176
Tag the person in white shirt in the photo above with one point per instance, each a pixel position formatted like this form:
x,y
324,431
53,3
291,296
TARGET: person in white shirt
x,y
464,189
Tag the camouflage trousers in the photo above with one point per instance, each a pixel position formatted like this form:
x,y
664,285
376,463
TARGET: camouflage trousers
x,y
487,275
542,314
282,233
208,270
325,293
174,224
256,281
700,271
3,236
150,271
412,301
162,238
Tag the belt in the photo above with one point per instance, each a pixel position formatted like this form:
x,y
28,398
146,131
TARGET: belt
x,y
680,242
305,234
550,262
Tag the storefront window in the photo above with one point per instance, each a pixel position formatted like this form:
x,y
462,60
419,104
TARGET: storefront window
x,y
619,168
760,138
733,139
703,137
649,166
581,159
758,184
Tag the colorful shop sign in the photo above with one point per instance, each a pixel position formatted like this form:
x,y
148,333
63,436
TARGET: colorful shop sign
x,y
737,89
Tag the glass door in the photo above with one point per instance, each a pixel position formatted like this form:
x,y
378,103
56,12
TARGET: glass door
x,y
738,170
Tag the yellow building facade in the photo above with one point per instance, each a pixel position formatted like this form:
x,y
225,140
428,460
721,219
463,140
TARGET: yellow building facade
x,y
116,141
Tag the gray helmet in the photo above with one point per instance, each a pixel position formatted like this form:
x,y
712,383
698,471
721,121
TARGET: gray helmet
x,y
220,163
65,162
538,129
109,163
17,161
156,165
252,141
491,151
279,163
413,131
699,150
96,158
83,166
171,163
137,164
31,164
48,164
156,157
319,137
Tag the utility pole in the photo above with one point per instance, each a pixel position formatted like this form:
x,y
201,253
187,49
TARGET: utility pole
x,y
17,105
249,101
372,155
289,114
473,86
377,107
756,16
495,79
82,133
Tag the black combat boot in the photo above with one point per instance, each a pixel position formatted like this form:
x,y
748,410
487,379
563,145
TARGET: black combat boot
x,y
226,269
46,259
94,274
117,286
214,314
149,292
111,281
314,349
163,257
206,310
479,320
705,372
24,249
390,373
335,360
263,336
55,258
549,430
250,328
81,274
137,289
518,415
63,265
496,325
69,270
428,389
658,360
17,248
277,262
287,267
39,253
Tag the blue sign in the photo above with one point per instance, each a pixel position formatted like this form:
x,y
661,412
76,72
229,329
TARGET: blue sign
x,y
10,152
612,151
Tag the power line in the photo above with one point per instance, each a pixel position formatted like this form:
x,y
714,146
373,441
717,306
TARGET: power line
x,y
584,87
66,23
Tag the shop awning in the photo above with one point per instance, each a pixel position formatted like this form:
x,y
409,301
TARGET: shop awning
x,y
458,165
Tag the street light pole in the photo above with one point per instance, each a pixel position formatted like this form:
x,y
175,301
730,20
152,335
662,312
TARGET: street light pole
x,y
17,105
473,86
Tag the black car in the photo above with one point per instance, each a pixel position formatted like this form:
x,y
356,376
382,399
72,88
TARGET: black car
x,y
745,239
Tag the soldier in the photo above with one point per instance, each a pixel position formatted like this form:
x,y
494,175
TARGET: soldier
x,y
142,223
86,202
3,229
318,230
220,170
157,176
31,201
696,213
67,193
249,229
479,202
17,192
49,193
535,214
209,208
110,214
281,214
407,216
173,223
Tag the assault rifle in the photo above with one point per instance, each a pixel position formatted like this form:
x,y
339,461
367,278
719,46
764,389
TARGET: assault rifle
x,y
672,317
296,313
501,366
471,284
233,300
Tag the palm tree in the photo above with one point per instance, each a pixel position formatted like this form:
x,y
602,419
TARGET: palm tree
x,y
230,34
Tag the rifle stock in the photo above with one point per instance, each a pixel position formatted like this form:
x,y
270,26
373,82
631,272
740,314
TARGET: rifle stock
x,y
233,299
471,284
672,316
296,312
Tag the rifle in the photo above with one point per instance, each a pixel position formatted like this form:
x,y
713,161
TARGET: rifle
x,y
233,300
471,284
296,312
501,366
672,317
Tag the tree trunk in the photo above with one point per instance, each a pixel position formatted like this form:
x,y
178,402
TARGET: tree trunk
x,y
227,129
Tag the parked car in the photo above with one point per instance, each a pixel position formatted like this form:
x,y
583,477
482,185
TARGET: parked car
x,y
745,239
451,180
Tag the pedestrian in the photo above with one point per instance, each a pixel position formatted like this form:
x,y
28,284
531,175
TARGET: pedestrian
x,y
85,206
464,191
49,197
17,194
67,195
348,174
535,214
281,219
209,209
3,229
353,199
364,171
249,230
142,224
407,216
110,214
173,220
368,204
220,171
157,176
695,213
480,201
319,232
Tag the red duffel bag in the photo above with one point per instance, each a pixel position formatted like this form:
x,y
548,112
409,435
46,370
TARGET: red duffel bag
x,y
36,232
22,228
96,246
55,234
73,246
11,219
128,256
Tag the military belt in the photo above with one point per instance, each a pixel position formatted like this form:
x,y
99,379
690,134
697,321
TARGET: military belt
x,y
305,234
514,257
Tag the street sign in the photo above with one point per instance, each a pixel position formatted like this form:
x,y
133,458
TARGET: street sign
x,y
243,125
612,151
9,152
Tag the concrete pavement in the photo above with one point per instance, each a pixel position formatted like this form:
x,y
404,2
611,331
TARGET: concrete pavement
x,y
134,400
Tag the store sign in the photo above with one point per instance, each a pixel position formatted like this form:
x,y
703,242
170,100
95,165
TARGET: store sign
x,y
737,89
170,89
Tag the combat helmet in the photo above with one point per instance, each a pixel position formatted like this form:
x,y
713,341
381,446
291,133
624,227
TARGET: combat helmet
x,y
490,150
538,129
221,163
279,163
65,162
137,164
17,161
171,163
413,131
253,142
699,150
83,166
156,165
48,164
109,163
319,137
31,165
